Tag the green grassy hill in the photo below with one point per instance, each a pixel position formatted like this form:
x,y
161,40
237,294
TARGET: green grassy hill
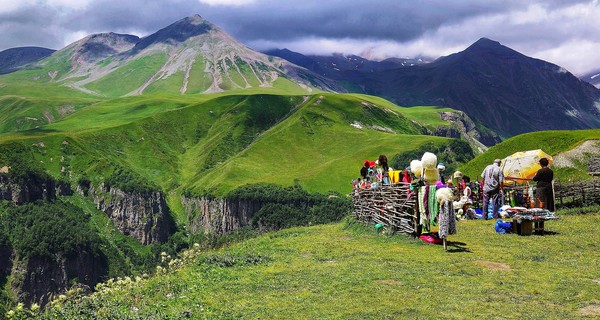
x,y
218,142
211,145
195,145
348,271
552,142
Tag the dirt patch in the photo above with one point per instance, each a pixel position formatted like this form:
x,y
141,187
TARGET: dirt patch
x,y
591,310
66,110
568,158
493,265
389,281
596,281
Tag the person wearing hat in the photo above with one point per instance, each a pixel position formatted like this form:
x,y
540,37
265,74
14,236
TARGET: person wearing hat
x,y
493,179
364,171
441,167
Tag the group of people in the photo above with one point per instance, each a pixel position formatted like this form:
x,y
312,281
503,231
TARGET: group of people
x,y
378,172
374,173
493,183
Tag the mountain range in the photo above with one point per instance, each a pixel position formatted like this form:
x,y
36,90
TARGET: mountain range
x,y
496,86
506,91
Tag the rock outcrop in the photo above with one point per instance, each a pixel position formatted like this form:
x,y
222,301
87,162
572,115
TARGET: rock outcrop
x,y
142,215
37,279
219,216
35,188
463,127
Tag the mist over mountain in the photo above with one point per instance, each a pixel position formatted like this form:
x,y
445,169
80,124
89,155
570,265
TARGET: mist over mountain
x,y
341,67
12,59
593,78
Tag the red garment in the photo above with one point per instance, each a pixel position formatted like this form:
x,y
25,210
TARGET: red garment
x,y
406,178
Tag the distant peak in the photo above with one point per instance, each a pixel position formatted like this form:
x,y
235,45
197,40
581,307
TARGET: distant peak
x,y
485,40
195,19
488,45
178,32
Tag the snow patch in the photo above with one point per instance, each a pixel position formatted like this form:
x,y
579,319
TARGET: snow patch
x,y
592,77
562,70
383,129
357,125
572,113
597,105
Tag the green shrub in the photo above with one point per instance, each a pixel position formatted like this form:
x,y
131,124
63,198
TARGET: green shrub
x,y
291,206
129,181
23,171
49,228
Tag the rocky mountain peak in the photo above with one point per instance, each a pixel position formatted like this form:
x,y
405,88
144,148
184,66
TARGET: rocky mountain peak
x,y
177,32
99,46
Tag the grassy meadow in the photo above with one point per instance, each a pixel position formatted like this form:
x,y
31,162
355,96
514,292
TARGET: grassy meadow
x,y
552,142
347,270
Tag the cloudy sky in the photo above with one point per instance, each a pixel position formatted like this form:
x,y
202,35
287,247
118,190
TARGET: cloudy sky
x,y
564,32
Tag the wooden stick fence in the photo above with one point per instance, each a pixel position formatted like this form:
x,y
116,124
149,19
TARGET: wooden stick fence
x,y
394,206
577,193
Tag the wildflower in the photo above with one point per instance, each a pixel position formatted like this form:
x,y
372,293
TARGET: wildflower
x,y
10,314
35,307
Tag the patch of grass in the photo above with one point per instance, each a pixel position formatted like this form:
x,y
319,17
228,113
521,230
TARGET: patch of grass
x,y
347,271
128,77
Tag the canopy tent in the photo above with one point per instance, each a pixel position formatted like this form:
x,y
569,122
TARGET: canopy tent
x,y
523,165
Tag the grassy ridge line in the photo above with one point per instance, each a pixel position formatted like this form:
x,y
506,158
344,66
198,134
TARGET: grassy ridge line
x,y
348,271
169,139
317,147
552,142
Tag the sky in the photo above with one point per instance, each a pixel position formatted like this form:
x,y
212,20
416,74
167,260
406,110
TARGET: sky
x,y
564,32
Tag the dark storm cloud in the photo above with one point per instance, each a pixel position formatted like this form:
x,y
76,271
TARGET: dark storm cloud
x,y
436,26
394,20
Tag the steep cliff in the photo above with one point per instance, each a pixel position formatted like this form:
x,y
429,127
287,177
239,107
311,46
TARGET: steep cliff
x,y
219,216
32,189
141,215
37,279
464,127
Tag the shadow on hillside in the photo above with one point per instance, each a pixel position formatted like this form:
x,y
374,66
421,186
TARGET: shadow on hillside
x,y
454,246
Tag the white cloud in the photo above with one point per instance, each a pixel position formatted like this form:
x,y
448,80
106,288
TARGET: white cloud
x,y
12,5
227,2
578,55
71,37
